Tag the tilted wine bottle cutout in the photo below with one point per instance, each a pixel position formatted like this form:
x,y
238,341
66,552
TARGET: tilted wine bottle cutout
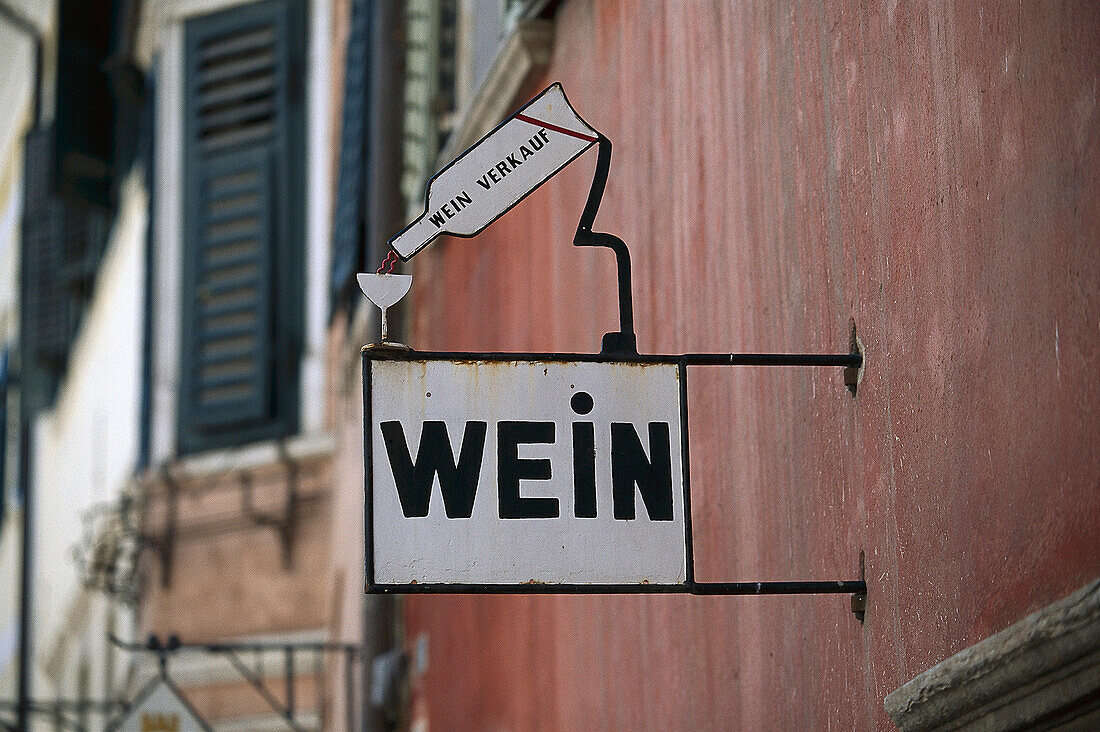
x,y
498,172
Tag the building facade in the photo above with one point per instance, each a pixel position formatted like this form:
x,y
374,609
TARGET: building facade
x,y
169,437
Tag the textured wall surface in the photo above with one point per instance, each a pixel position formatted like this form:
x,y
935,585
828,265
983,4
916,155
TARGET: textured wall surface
x,y
226,578
780,171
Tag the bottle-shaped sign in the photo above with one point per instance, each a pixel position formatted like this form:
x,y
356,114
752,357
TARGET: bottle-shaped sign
x,y
499,171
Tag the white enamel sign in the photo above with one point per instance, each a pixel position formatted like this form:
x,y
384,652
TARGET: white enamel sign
x,y
499,171
524,472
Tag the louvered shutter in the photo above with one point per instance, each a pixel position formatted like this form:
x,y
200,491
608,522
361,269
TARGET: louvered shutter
x,y
347,229
241,275
63,242
232,319
46,311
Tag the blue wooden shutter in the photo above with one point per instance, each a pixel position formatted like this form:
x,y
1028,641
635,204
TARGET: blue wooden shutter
x,y
62,244
3,434
232,324
347,239
242,275
46,309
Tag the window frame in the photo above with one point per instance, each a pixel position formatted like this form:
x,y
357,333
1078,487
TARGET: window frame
x,y
289,279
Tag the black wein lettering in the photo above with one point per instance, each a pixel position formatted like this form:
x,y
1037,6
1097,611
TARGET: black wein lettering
x,y
631,468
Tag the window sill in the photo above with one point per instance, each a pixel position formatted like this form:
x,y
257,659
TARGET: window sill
x,y
1041,673
301,448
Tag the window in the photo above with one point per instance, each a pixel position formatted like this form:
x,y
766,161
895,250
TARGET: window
x,y
452,47
243,223
429,91
83,158
348,226
63,241
72,168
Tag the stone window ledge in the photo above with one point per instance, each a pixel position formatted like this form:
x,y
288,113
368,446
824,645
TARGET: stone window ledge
x,y
305,447
1041,673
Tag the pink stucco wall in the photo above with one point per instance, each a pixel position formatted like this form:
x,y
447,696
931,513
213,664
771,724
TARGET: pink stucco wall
x,y
929,172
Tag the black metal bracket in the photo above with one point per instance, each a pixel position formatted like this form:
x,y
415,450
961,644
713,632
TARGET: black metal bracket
x,y
165,544
823,587
623,345
285,524
287,708
61,713
843,360
624,341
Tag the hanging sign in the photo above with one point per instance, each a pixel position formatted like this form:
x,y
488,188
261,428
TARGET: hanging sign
x,y
499,171
535,472
546,473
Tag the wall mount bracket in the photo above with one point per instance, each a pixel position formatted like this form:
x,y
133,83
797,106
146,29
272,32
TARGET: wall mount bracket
x,y
623,341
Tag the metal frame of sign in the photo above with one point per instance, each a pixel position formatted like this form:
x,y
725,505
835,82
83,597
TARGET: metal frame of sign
x,y
690,585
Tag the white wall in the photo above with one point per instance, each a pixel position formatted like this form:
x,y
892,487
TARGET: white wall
x,y
318,237
86,446
10,537
16,82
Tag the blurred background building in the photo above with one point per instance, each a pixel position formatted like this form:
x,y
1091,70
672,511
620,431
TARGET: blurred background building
x,y
188,187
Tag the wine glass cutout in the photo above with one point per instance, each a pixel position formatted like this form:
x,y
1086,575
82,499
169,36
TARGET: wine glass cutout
x,y
384,290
